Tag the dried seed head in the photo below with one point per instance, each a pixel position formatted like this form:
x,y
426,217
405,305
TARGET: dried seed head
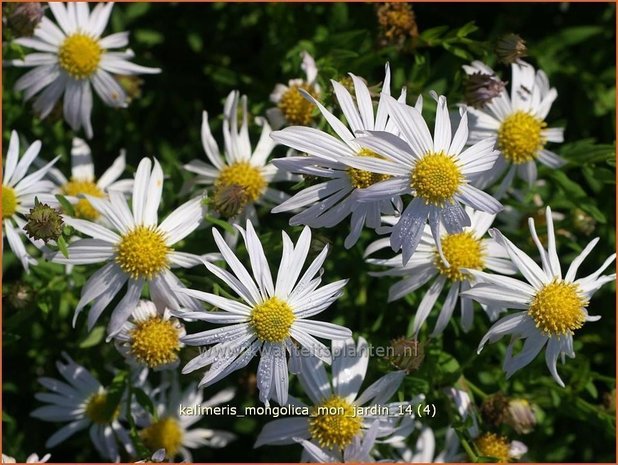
x,y
510,47
406,354
480,89
44,222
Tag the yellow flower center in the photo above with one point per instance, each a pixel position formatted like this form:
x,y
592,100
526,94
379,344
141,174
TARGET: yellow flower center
x,y
492,445
142,252
97,410
154,342
558,308
461,250
362,179
520,138
272,320
83,208
10,202
296,108
165,433
79,55
436,178
242,174
334,423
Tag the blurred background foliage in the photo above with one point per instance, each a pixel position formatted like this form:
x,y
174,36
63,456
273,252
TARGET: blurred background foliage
x,y
207,50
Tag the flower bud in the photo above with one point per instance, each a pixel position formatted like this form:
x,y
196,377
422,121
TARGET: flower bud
x,y
22,18
521,416
406,354
494,409
510,47
480,89
44,222
230,200
583,222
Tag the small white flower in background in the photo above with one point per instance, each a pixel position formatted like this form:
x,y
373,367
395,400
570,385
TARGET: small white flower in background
x,y
271,319
83,180
437,172
32,458
487,444
135,249
82,401
151,337
241,177
517,125
328,203
292,107
347,435
553,306
18,193
174,432
71,57
463,250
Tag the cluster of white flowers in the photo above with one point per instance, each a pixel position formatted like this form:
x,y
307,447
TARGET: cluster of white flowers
x,y
380,164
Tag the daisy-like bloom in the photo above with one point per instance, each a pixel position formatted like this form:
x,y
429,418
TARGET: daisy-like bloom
x,y
330,202
272,317
173,431
342,423
517,125
18,193
241,177
292,108
83,180
70,57
437,172
151,337
82,401
553,306
32,458
462,250
135,249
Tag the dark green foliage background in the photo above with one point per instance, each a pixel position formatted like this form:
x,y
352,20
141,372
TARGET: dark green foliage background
x,y
205,51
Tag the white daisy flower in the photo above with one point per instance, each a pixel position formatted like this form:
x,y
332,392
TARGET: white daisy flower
x,y
82,401
517,125
330,202
436,172
136,250
292,108
174,432
241,177
151,337
554,307
272,318
424,450
19,192
71,56
32,458
83,180
462,250
344,424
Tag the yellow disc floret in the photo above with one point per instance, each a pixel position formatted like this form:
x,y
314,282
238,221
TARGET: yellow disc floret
x,y
492,445
83,208
361,179
242,174
461,250
520,137
10,202
436,178
334,423
558,308
296,108
165,433
97,410
79,55
272,320
154,342
142,252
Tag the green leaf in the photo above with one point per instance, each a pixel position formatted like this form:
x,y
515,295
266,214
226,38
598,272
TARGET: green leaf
x,y
114,394
63,247
219,222
571,188
66,205
94,337
145,401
